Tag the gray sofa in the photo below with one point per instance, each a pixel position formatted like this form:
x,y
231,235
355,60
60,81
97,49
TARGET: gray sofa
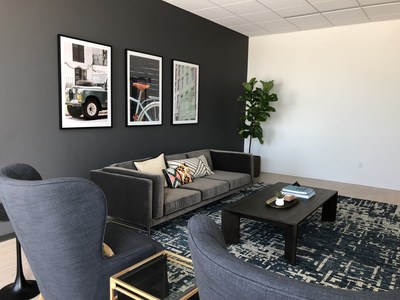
x,y
141,199
220,275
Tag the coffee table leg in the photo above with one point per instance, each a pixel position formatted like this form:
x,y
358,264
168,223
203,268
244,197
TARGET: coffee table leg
x,y
291,243
329,209
230,227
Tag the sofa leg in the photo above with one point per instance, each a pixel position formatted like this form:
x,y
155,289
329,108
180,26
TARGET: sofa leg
x,y
122,223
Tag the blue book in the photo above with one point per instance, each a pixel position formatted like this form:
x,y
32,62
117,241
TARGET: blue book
x,y
297,190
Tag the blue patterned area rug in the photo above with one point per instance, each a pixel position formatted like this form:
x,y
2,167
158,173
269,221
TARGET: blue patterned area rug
x,y
359,251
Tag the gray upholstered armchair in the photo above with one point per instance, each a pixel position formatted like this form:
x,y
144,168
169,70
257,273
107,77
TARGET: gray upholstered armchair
x,y
61,225
220,275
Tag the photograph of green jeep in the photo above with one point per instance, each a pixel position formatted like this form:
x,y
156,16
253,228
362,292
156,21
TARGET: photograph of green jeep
x,y
86,98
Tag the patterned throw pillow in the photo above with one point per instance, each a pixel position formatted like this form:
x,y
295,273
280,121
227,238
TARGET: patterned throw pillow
x,y
185,174
196,166
177,176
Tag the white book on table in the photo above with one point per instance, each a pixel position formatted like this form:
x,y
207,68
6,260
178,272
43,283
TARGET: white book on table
x,y
302,196
297,189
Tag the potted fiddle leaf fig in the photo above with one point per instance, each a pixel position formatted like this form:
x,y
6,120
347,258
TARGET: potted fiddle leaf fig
x,y
257,110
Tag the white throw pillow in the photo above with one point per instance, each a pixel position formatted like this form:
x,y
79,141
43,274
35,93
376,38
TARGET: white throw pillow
x,y
154,165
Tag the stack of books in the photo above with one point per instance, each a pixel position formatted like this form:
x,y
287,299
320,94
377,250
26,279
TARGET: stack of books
x,y
299,191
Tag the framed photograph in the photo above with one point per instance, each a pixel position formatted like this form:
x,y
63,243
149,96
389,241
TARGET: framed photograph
x,y
85,83
144,89
185,107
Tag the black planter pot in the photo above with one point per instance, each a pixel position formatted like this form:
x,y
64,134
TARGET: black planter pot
x,y
256,165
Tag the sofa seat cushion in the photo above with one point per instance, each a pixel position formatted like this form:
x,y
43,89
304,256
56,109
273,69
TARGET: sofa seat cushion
x,y
208,187
235,179
177,199
123,239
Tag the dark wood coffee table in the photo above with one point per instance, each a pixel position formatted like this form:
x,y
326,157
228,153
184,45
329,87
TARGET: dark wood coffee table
x,y
254,207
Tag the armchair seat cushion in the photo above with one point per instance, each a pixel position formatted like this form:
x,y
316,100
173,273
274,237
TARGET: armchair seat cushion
x,y
208,187
177,199
235,179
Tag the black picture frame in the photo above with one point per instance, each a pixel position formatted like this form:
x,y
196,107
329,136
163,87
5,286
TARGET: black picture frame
x,y
185,99
143,88
84,83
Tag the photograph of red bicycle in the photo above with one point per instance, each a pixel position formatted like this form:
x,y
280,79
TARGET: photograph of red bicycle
x,y
144,86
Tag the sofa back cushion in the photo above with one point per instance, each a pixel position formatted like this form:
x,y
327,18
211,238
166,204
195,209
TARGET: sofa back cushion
x,y
130,164
204,152
175,156
125,164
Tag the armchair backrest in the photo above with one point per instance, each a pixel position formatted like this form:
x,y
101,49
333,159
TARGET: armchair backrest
x,y
21,172
18,171
220,275
60,224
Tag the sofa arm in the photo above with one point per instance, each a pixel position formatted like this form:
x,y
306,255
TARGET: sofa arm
x,y
233,161
130,198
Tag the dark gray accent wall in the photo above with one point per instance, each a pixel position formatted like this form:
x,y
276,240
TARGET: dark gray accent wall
x,y
29,89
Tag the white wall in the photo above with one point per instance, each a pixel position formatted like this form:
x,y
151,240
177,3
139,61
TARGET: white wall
x,y
339,103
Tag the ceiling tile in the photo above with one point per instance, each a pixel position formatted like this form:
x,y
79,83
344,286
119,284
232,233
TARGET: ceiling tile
x,y
262,16
245,7
372,2
231,21
289,8
383,12
346,16
253,17
278,26
256,32
250,29
327,5
274,4
264,32
225,2
310,22
247,27
192,4
213,13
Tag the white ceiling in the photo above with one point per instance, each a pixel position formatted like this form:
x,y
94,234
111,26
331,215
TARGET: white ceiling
x,y
263,17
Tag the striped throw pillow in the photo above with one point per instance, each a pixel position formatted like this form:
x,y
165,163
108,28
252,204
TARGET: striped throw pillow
x,y
198,166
